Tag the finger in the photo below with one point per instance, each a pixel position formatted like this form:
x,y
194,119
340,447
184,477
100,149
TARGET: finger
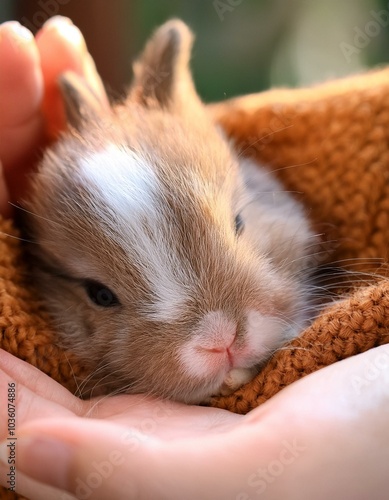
x,y
21,85
347,388
88,458
161,418
62,47
26,408
99,460
29,488
94,80
21,91
31,381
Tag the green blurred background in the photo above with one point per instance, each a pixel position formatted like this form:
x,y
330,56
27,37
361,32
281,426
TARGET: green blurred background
x,y
241,45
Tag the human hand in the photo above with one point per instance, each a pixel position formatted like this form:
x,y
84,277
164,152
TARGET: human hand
x,y
135,420
324,435
31,107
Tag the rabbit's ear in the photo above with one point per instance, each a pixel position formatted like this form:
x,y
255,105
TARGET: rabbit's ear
x,y
81,104
162,74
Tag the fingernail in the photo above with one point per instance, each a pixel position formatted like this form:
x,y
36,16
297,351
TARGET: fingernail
x,y
41,458
66,29
16,31
57,21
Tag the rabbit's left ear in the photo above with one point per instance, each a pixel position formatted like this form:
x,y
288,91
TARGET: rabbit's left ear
x,y
82,106
162,74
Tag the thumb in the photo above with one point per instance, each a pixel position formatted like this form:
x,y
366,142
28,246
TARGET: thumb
x,y
88,458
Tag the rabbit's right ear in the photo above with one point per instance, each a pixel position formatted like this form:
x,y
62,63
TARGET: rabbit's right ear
x,y
82,106
162,75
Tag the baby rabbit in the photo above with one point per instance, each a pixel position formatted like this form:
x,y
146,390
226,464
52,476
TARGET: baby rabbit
x,y
169,265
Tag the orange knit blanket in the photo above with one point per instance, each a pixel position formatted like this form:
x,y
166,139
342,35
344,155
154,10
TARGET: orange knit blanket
x,y
329,143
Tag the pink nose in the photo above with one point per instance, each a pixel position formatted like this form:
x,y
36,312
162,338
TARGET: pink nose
x,y
216,349
222,350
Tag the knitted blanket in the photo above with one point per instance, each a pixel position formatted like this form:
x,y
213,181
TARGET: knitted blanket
x,y
330,145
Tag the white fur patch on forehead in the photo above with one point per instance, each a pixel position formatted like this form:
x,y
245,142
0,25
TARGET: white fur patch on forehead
x,y
134,216
124,180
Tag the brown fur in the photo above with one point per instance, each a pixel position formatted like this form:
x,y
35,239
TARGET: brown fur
x,y
77,236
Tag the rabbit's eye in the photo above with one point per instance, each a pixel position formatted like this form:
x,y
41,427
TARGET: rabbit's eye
x,y
100,294
239,225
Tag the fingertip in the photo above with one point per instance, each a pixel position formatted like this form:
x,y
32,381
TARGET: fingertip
x,y
20,77
60,34
58,451
43,458
15,32
57,20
